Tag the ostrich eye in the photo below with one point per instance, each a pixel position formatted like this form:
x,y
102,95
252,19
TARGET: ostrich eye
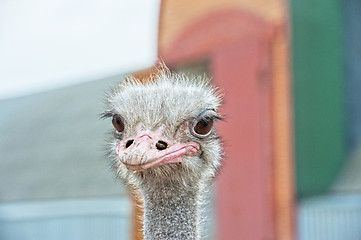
x,y
118,123
202,127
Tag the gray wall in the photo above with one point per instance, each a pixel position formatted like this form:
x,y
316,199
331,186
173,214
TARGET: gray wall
x,y
52,145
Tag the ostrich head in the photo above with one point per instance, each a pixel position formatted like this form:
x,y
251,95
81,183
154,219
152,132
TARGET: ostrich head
x,y
164,129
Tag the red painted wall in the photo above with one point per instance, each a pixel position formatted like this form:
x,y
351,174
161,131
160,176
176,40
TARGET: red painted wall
x,y
244,197
236,45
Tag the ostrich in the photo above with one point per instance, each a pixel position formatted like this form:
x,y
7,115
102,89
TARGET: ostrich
x,y
164,144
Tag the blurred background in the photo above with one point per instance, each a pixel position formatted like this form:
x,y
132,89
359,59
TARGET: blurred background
x,y
291,75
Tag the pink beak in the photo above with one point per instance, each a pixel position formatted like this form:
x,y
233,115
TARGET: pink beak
x,y
149,149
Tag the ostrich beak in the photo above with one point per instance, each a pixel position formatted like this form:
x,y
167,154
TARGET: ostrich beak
x,y
149,149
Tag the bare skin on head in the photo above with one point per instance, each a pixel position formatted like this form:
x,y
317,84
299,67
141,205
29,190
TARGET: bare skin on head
x,y
165,145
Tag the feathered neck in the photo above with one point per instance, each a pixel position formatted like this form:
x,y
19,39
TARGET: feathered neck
x,y
171,211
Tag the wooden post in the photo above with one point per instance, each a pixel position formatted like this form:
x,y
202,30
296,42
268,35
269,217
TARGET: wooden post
x,y
137,215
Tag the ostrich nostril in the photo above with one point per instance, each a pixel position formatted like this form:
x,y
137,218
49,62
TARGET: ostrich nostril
x,y
160,145
130,142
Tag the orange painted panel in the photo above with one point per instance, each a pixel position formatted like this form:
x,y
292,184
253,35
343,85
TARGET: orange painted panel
x,y
240,48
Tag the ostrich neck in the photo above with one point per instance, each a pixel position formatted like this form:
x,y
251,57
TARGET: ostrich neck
x,y
171,211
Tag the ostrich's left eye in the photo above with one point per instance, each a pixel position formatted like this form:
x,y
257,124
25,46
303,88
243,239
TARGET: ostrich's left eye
x,y
202,127
118,123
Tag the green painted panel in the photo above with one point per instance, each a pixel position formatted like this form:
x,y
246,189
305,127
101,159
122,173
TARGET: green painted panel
x,y
318,93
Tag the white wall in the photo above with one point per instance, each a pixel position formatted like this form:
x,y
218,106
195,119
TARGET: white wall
x,y
54,43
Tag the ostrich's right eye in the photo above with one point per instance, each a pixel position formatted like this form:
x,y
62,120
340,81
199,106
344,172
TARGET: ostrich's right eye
x,y
202,128
118,123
